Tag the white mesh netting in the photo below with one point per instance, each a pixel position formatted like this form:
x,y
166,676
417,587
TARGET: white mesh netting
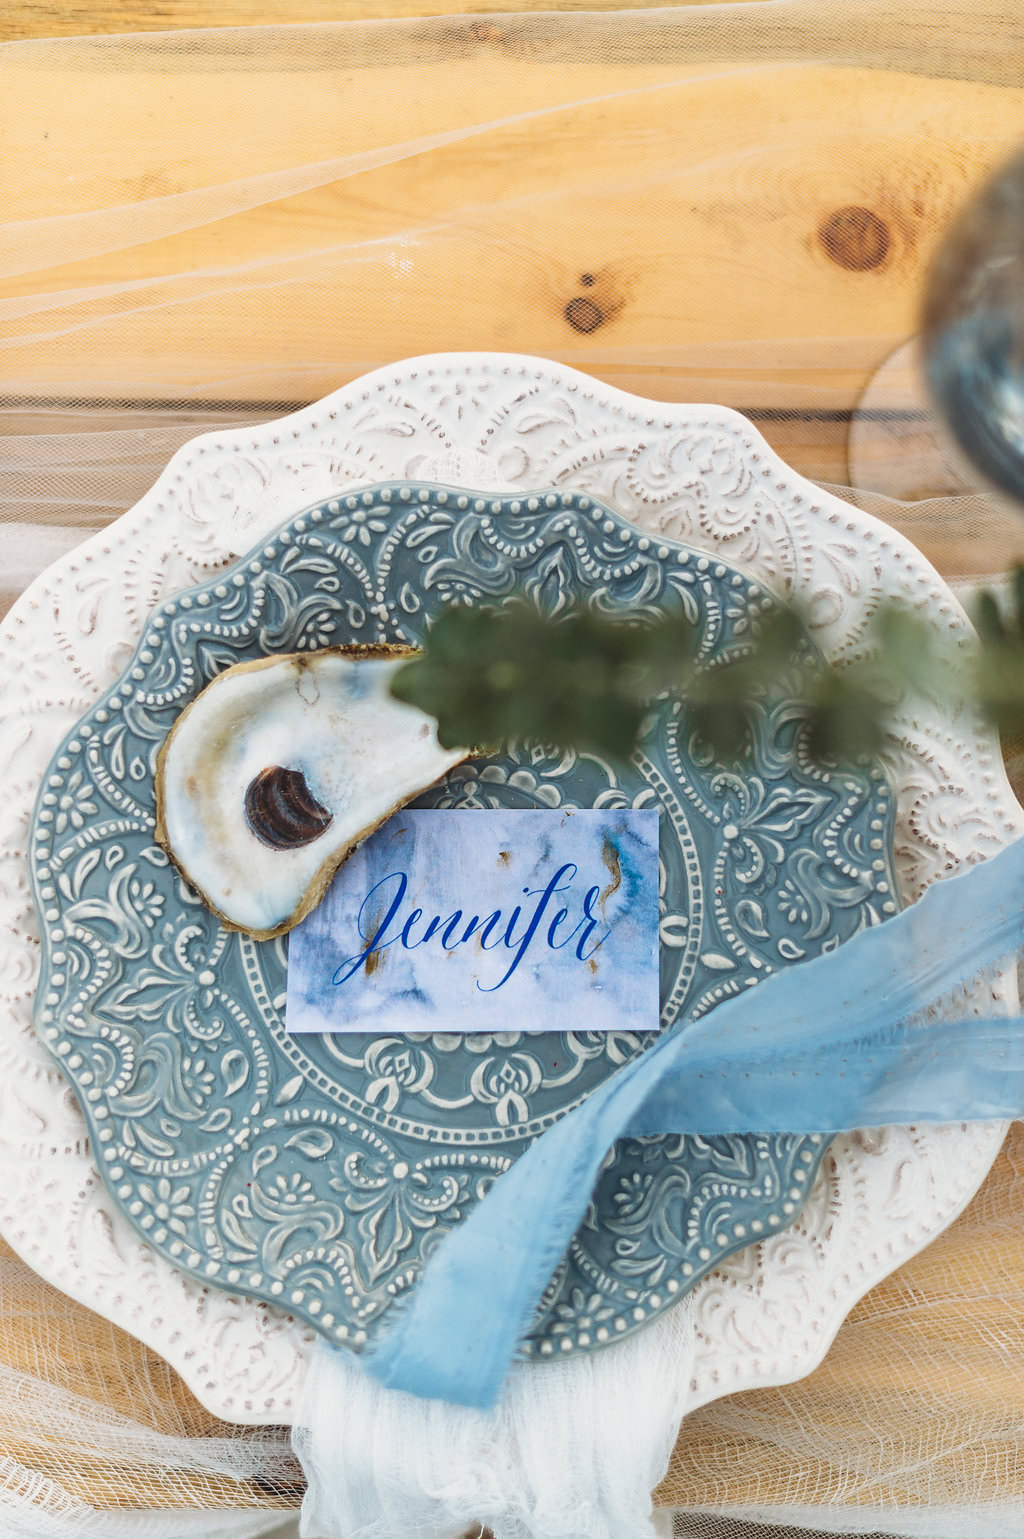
x,y
732,203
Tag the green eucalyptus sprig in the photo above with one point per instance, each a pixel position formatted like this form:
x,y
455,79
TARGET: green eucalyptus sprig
x,y
999,674
584,680
581,681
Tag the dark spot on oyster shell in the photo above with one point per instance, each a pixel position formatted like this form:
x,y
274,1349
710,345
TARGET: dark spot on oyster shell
x,y
282,811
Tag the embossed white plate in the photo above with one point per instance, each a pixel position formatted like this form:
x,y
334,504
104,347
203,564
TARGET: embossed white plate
x,y
700,474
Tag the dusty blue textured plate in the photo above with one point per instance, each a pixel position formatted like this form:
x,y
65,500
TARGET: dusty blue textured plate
x,y
318,1172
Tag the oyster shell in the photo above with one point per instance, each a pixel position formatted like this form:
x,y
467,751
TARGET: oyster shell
x,y
279,768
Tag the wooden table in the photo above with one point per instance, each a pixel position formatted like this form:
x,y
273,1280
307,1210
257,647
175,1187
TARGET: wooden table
x,y
618,243
781,289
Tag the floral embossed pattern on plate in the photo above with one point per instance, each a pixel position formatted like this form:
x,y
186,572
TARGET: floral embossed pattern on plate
x,y
320,1170
701,474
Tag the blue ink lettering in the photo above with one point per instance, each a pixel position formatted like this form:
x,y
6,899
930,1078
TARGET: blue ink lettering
x,y
587,925
352,964
417,913
376,931
560,917
517,914
447,925
488,925
588,902
545,894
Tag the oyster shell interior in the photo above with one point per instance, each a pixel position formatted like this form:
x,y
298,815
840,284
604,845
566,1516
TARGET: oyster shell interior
x,y
279,769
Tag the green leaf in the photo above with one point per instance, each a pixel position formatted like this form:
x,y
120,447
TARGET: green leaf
x,y
583,680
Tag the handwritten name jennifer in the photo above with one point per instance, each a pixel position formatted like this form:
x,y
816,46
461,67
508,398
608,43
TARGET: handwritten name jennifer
x,y
517,933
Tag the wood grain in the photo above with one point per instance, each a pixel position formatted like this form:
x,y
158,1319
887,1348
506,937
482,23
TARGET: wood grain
x,y
53,1341
969,39
687,205
683,236
76,18
921,1387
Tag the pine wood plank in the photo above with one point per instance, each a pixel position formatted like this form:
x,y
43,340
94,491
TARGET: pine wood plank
x,y
756,237
970,39
920,1381
732,238
76,18
54,1341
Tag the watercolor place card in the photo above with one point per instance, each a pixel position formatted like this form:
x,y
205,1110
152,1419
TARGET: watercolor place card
x,y
462,921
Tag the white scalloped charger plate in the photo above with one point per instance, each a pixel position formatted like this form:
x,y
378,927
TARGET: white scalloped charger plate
x,y
699,474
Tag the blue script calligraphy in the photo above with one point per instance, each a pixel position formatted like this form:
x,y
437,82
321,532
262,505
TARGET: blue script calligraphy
x,y
490,920
454,930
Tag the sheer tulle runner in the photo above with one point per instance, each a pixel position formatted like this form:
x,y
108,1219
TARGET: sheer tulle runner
x,y
204,278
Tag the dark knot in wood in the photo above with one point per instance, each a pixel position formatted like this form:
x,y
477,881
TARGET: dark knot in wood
x,y
855,238
583,314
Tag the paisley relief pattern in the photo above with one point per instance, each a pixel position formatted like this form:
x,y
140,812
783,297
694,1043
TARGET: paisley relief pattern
x,y
300,1169
767,1311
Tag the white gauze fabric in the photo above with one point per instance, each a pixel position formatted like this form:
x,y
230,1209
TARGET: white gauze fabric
x,y
572,1451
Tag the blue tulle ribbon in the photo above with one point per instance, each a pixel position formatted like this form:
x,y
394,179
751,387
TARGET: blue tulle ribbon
x,y
829,1045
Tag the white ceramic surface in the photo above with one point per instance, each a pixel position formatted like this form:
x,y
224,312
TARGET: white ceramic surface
x,y
701,474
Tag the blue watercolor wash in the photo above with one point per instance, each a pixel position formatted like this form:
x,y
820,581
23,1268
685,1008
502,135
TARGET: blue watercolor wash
x,y
472,921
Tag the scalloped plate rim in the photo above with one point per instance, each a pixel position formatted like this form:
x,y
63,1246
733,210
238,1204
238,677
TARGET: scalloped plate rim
x,y
710,1383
